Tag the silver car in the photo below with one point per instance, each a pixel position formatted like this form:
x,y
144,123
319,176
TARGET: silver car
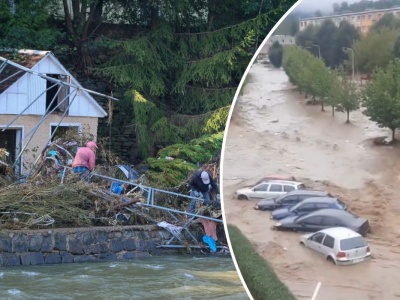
x,y
340,245
268,189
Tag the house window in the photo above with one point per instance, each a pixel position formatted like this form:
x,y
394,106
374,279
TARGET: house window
x,y
369,16
57,96
65,130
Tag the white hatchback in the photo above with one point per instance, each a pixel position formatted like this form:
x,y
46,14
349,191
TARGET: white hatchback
x,y
340,245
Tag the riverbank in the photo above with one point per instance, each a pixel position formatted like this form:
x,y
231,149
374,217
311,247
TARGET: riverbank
x,y
71,245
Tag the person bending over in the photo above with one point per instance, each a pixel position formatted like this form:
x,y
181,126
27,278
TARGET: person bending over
x,y
202,183
85,160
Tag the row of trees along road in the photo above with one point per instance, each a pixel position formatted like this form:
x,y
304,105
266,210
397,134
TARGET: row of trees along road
x,y
176,67
312,77
380,99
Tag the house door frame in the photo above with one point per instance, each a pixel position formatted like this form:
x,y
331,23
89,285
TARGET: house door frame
x,y
18,146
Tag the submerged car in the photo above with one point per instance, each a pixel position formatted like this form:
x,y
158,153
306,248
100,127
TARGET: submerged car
x,y
289,199
306,206
323,219
268,189
340,245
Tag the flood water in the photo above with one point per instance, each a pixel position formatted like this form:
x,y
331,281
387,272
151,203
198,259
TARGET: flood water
x,y
274,131
163,277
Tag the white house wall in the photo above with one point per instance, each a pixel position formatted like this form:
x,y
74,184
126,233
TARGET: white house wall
x,y
36,86
47,66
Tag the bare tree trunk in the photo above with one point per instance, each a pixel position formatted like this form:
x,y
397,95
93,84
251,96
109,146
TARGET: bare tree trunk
x,y
77,25
333,110
211,15
393,134
154,15
348,116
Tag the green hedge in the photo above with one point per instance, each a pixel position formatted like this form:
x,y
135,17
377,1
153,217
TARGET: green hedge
x,y
260,278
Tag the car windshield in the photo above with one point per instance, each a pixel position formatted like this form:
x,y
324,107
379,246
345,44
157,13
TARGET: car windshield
x,y
340,203
352,243
294,207
301,186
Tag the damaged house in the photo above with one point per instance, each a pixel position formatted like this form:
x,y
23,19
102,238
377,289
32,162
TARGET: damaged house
x,y
32,106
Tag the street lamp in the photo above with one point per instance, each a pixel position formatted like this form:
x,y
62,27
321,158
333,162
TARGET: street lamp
x,y
352,60
319,50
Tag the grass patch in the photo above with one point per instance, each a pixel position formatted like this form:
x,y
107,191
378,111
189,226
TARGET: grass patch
x,y
260,278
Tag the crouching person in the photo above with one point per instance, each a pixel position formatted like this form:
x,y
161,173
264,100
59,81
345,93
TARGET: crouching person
x,y
85,160
201,183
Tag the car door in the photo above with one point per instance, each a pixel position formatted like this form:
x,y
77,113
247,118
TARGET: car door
x,y
314,242
328,245
309,223
260,191
328,222
275,190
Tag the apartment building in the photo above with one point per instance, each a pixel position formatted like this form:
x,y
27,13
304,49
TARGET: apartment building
x,y
361,20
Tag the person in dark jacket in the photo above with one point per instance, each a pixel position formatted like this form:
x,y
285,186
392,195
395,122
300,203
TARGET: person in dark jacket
x,y
202,183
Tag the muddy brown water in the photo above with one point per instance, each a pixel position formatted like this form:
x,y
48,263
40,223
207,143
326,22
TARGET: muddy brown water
x,y
271,131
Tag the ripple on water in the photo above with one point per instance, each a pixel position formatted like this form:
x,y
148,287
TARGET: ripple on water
x,y
188,275
14,292
24,273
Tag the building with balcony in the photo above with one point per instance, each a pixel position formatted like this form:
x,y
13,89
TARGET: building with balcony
x,y
363,21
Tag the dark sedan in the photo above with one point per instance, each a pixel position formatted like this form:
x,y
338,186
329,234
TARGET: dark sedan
x,y
306,206
322,219
289,199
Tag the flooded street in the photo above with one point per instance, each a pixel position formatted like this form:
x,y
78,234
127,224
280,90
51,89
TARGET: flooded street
x,y
273,131
164,277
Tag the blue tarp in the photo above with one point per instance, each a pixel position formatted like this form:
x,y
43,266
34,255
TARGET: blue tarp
x,y
210,242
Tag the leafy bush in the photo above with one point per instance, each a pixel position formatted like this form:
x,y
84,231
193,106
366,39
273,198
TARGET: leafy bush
x,y
260,278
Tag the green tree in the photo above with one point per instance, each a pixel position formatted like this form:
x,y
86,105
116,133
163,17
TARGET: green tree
x,y
275,54
182,69
346,36
375,49
321,79
346,95
26,24
333,99
381,97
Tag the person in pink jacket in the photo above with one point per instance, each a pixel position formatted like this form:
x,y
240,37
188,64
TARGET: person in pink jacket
x,y
85,160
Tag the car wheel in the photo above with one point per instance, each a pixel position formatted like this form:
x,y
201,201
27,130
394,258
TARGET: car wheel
x,y
330,259
243,197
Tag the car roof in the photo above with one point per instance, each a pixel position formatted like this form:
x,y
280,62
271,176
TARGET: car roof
x,y
319,200
340,232
307,192
280,182
338,213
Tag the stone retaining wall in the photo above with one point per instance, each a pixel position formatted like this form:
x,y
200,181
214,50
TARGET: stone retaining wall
x,y
53,246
